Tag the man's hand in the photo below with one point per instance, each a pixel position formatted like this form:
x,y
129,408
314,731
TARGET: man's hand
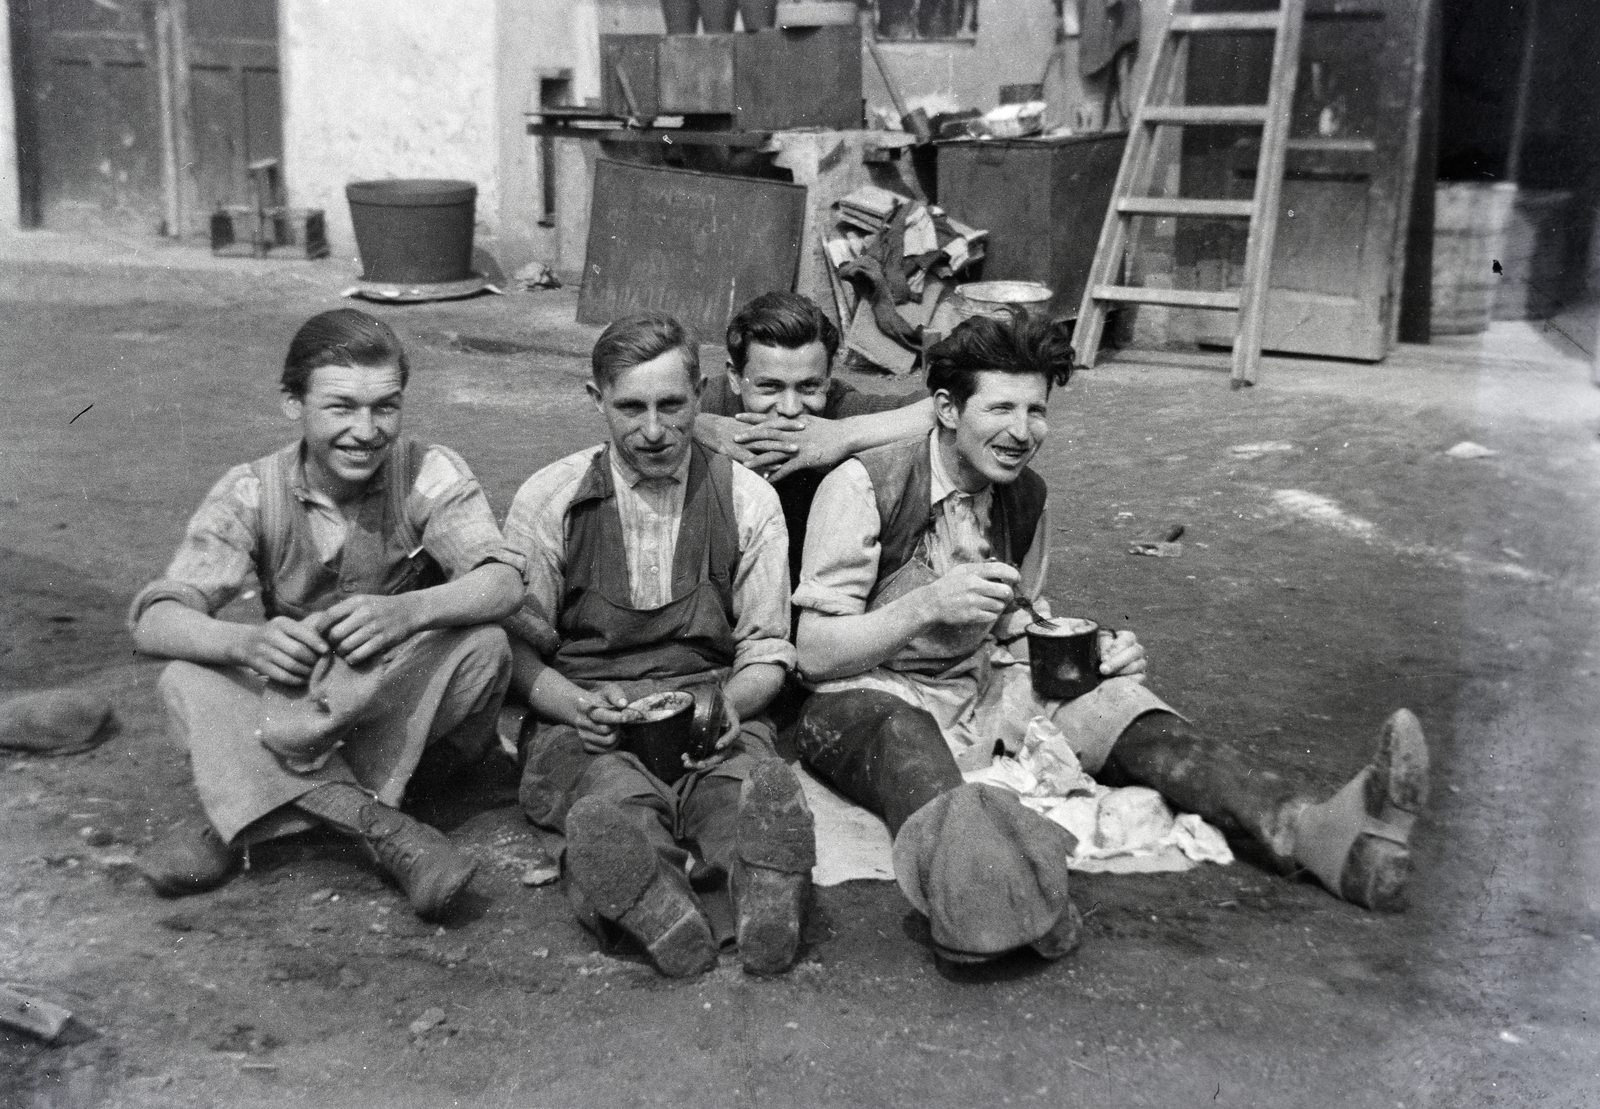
x,y
1122,655
364,626
808,442
283,650
719,750
724,435
599,711
973,593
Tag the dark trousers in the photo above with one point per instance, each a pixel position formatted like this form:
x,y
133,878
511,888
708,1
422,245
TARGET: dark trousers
x,y
889,757
699,809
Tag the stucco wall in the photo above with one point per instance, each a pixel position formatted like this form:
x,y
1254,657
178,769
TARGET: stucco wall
x,y
10,201
388,88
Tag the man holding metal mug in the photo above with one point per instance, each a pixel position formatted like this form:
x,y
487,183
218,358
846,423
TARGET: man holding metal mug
x,y
655,566
924,563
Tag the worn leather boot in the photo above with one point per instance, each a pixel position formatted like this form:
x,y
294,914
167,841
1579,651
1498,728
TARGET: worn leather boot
x,y
621,877
431,870
1357,842
772,876
189,860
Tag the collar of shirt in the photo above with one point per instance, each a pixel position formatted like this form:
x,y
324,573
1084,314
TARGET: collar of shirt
x,y
306,493
627,475
942,486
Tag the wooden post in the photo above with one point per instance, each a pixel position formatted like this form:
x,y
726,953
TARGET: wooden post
x,y
159,22
190,216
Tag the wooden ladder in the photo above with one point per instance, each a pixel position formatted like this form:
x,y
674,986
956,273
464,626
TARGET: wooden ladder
x,y
1130,198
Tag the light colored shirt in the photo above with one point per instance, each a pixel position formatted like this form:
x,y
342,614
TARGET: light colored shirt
x,y
651,510
842,552
446,507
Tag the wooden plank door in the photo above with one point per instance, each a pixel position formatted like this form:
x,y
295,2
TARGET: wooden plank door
x,y
89,127
90,150
1338,259
233,58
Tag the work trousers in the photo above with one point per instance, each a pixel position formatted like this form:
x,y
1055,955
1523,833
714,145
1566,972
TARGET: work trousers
x,y
698,811
889,757
441,685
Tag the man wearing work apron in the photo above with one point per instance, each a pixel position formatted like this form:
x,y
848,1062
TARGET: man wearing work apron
x,y
653,565
917,561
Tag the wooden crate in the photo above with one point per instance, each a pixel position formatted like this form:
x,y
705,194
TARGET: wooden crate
x,y
1041,200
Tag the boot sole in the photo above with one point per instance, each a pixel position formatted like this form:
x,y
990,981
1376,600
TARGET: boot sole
x,y
777,849
771,911
613,865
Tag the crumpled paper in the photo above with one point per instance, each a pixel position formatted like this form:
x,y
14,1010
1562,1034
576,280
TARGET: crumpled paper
x,y
1124,830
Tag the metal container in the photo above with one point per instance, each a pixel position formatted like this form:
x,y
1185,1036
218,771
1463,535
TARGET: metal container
x,y
1064,658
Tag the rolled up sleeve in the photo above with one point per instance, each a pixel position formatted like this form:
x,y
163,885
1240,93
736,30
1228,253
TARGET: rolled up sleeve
x,y
840,564
217,554
761,586
536,531
454,518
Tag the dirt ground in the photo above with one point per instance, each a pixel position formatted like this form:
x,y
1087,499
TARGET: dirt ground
x,y
1320,587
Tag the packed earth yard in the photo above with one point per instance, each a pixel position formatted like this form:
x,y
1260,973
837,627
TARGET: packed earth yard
x,y
1356,568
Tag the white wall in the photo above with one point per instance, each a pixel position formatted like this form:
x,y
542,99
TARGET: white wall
x,y
10,199
388,88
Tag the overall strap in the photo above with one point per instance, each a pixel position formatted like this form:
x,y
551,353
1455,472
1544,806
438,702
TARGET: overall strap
x,y
708,534
406,462
1016,512
276,515
596,554
902,483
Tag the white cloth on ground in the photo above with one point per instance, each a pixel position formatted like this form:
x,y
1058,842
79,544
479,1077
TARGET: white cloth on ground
x,y
1123,831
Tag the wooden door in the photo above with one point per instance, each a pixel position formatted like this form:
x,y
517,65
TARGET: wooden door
x,y
1338,260
90,134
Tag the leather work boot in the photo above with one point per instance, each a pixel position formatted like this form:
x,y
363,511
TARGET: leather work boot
x,y
1358,842
772,876
189,860
619,873
431,870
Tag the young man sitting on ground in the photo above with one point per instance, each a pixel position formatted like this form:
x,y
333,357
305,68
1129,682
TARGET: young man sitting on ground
x,y
910,632
656,565
779,410
383,575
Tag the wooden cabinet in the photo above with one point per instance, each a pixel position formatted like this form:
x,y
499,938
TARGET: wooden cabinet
x,y
1041,200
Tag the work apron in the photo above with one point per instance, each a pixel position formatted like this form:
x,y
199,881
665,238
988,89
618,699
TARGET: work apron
x,y
687,643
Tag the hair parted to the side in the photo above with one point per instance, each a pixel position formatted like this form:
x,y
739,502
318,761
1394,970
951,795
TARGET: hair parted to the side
x,y
635,340
1018,345
786,320
342,337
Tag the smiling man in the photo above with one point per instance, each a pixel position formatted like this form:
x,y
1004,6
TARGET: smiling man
x,y
917,562
382,574
654,564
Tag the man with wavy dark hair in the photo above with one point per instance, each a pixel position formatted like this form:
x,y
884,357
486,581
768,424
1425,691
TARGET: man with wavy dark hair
x,y
917,562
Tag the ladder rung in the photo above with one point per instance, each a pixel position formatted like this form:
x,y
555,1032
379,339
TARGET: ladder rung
x,y
1176,298
1176,206
1222,23
1206,113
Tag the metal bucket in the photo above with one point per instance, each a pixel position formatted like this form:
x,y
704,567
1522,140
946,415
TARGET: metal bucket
x,y
413,231
996,298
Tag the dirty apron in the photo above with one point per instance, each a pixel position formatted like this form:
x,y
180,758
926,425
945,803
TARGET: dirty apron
x,y
381,715
683,644
862,733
